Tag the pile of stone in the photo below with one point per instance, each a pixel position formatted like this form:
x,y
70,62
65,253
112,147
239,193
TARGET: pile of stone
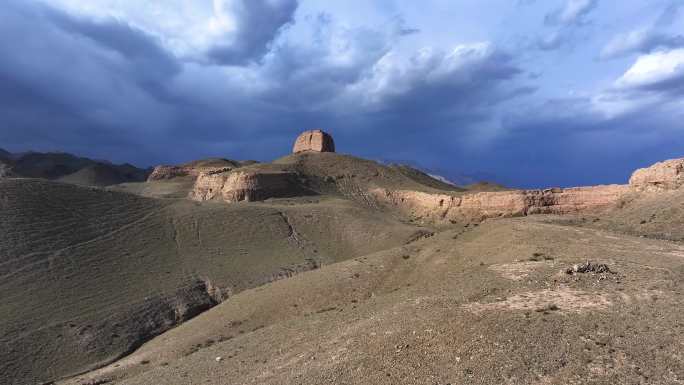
x,y
588,267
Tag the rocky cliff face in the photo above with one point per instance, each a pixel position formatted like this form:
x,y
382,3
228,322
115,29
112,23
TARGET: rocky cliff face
x,y
426,202
667,175
248,186
479,206
170,172
194,169
433,207
315,140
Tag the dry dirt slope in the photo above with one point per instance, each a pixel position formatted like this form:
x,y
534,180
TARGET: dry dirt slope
x,y
490,305
91,274
652,215
88,274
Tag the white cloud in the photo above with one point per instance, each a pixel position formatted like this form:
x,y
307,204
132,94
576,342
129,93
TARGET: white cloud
x,y
243,30
654,82
309,69
653,69
234,29
466,66
183,26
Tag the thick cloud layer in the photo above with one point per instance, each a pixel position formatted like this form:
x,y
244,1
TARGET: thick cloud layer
x,y
251,27
534,94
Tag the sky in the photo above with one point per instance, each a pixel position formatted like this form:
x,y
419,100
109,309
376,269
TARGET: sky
x,y
529,93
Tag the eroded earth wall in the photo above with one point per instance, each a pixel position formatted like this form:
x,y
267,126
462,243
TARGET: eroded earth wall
x,y
479,206
449,206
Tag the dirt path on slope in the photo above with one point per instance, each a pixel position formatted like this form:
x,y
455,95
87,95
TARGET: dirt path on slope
x,y
493,305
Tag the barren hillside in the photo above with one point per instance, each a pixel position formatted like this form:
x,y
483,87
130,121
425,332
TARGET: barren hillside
x,y
89,274
491,305
68,168
326,268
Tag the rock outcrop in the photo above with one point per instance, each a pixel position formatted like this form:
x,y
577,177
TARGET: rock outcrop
x,y
248,186
414,197
436,207
170,172
315,141
478,206
193,169
667,175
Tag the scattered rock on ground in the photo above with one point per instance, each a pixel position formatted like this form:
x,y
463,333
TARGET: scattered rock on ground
x,y
588,267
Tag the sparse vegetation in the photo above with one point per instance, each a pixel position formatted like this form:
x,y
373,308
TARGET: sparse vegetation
x,y
310,289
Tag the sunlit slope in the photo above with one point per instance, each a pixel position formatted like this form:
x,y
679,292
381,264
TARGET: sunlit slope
x,y
652,215
355,173
490,305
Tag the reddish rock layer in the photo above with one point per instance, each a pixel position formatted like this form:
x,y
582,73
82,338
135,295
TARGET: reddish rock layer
x,y
248,186
445,207
667,175
315,140
442,207
170,172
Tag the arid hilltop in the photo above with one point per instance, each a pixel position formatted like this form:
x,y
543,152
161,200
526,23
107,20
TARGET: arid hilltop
x,y
285,178
321,267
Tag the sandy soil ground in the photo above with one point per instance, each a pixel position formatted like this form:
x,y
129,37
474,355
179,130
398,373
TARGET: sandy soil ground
x,y
490,305
135,284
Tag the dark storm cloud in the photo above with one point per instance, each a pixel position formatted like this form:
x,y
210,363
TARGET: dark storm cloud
x,y
98,92
429,105
148,62
71,83
349,81
310,76
104,88
539,147
460,80
257,23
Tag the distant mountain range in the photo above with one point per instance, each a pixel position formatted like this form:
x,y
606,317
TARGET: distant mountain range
x,y
451,177
68,168
4,155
